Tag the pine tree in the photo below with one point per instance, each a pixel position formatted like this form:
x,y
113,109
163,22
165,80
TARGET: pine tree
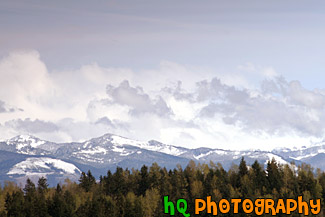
x,y
14,204
274,176
258,177
144,181
30,199
118,182
42,185
242,168
41,205
87,181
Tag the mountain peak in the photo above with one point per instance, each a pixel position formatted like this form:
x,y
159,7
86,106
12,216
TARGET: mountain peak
x,y
33,156
25,140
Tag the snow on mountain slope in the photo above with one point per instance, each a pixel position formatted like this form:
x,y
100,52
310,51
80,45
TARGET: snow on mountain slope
x,y
201,154
229,157
26,144
25,140
151,145
27,156
109,151
209,153
112,148
277,158
302,153
43,166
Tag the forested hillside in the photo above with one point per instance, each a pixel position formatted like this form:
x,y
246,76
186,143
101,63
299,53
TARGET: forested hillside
x,y
141,192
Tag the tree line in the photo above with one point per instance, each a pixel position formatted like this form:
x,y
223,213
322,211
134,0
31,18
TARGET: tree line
x,y
133,193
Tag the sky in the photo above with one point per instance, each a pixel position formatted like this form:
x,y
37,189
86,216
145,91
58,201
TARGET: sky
x,y
220,74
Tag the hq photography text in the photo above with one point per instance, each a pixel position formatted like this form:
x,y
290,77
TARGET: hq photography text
x,y
258,206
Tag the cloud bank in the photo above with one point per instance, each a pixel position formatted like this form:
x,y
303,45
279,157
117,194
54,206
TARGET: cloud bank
x,y
249,107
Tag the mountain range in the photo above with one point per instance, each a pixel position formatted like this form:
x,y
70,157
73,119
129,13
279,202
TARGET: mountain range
x,y
27,156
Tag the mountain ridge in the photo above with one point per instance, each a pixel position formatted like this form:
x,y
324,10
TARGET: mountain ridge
x,y
110,151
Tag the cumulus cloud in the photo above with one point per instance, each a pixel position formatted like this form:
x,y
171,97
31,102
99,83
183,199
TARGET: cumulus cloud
x,y
137,100
24,76
279,107
172,103
294,93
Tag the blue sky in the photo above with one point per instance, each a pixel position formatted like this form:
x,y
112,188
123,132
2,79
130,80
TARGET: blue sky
x,y
225,74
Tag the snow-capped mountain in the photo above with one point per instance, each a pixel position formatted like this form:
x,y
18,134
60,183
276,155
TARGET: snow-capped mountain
x,y
41,166
228,157
313,155
30,145
34,167
24,156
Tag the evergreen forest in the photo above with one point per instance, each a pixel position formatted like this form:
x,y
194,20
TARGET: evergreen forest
x,y
131,193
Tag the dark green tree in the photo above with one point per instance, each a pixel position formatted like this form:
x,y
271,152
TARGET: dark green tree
x,y
14,204
87,181
144,181
258,177
31,199
274,176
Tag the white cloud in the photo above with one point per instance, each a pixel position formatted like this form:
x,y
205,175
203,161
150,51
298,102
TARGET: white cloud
x,y
137,100
173,103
